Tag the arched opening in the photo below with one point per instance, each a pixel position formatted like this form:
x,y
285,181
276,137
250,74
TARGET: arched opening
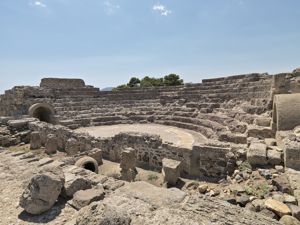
x,y
87,163
42,111
89,166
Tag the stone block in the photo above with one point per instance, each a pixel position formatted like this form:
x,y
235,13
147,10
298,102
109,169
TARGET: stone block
x,y
257,154
270,141
51,144
96,153
42,191
171,170
35,140
263,121
292,155
128,159
74,183
289,220
83,198
277,207
260,132
282,183
72,146
274,157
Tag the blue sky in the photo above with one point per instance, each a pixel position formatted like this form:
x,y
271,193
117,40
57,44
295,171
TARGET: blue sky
x,y
106,42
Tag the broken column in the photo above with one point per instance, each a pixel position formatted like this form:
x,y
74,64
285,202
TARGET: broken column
x,y
35,140
128,164
51,144
171,171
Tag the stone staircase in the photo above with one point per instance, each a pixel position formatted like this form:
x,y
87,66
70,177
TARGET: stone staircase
x,y
215,107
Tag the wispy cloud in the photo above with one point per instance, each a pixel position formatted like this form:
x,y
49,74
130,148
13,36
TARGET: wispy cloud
x,y
111,7
39,4
162,9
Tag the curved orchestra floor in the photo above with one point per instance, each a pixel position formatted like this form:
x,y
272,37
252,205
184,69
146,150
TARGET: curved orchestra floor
x,y
177,136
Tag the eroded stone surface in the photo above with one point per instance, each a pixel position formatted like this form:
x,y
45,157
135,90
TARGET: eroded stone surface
x,y
42,191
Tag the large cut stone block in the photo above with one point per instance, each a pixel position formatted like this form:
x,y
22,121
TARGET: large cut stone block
x,y
292,155
51,144
35,140
171,170
128,159
257,154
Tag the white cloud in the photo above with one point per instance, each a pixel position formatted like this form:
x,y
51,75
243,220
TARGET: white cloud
x,y
110,7
162,9
39,4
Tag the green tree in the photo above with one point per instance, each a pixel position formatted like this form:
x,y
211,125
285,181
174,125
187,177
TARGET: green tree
x,y
172,80
134,82
151,81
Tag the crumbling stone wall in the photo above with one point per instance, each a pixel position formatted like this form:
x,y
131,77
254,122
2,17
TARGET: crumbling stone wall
x,y
150,150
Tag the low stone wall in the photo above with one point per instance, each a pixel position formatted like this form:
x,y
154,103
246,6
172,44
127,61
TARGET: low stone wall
x,y
206,161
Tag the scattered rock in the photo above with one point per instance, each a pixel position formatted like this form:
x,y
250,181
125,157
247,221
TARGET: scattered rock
x,y
289,220
73,184
214,192
277,207
250,207
203,188
258,204
282,184
289,199
42,191
236,188
265,173
278,197
269,213
242,200
295,211
85,197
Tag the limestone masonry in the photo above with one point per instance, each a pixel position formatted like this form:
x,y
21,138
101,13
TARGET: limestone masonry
x,y
242,132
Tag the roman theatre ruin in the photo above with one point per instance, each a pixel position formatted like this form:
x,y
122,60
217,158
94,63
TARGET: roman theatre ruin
x,y
198,131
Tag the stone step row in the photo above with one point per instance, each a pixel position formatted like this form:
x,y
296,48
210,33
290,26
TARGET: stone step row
x,y
231,93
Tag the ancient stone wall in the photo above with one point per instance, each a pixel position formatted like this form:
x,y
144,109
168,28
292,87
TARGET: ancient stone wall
x,y
61,83
150,150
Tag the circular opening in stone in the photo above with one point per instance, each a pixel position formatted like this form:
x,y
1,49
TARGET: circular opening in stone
x,y
42,111
43,114
89,166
